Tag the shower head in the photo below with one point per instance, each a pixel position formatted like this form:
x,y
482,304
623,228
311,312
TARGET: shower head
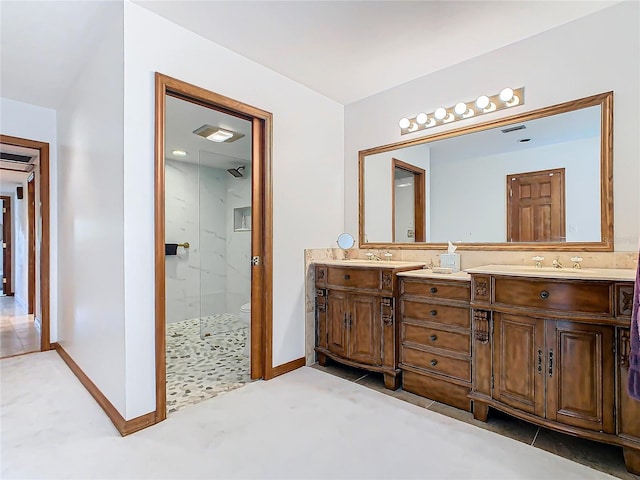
x,y
236,172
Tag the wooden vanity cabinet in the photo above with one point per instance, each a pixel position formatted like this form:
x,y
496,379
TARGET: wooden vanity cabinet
x,y
435,339
356,317
555,352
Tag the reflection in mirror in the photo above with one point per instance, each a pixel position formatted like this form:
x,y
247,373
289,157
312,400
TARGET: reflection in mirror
x,y
539,178
345,241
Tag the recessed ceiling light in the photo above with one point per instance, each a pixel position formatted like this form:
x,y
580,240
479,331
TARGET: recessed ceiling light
x,y
179,153
217,134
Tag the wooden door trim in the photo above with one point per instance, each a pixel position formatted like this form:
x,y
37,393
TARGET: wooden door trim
x,y
262,227
419,201
7,231
45,249
31,246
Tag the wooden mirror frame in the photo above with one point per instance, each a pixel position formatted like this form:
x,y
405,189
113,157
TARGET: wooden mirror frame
x,y
605,100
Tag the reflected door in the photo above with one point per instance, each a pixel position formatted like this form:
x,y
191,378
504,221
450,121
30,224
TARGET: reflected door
x,y
535,206
408,202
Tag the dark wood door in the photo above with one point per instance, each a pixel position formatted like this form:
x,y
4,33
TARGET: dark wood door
x,y
7,287
31,215
535,206
337,322
580,375
364,329
518,362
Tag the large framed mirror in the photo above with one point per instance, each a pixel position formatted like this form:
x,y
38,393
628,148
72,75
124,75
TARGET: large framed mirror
x,y
540,180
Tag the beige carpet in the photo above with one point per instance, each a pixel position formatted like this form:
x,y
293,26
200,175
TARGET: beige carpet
x,y
306,424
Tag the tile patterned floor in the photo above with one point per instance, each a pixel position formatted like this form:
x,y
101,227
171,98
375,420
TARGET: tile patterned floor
x,y
603,457
201,368
18,333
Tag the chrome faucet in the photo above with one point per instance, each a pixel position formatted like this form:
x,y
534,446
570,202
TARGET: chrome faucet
x,y
538,259
556,263
576,262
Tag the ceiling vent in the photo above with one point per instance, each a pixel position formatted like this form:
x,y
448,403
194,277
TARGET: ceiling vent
x,y
16,162
513,129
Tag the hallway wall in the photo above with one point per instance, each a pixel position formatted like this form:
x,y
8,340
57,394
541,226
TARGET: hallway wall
x,y
19,119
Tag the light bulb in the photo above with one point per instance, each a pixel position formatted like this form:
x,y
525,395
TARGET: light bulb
x,y
440,113
404,123
506,94
482,102
460,108
179,153
421,118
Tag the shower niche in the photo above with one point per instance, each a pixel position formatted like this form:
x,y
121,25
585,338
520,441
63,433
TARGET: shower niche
x,y
242,219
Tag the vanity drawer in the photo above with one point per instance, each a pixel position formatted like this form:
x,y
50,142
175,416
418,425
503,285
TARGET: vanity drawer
x,y
587,297
445,314
437,363
432,337
353,277
431,289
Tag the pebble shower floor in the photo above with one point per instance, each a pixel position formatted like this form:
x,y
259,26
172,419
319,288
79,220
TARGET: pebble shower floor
x,y
202,368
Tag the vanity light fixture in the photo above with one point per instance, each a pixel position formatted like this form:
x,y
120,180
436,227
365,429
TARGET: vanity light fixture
x,y
507,98
217,134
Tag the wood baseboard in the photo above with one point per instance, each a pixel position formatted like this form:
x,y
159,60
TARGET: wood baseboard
x,y
125,427
286,368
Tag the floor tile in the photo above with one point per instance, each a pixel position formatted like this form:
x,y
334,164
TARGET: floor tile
x,y
375,381
600,456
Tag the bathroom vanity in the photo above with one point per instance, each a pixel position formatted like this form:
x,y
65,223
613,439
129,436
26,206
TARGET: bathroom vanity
x,y
552,347
435,336
356,314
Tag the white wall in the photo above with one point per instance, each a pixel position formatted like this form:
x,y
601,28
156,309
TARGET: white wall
x,y
91,216
308,132
594,54
19,119
484,178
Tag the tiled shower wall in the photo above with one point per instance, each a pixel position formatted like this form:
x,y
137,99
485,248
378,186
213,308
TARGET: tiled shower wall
x,y
468,259
213,275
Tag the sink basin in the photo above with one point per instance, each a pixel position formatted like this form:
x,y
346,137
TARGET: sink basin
x,y
618,274
381,263
560,271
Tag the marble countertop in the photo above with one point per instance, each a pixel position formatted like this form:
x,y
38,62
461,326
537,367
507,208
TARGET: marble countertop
x,y
371,263
615,274
428,273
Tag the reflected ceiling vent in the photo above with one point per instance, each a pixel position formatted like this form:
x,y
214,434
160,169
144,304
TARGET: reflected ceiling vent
x,y
14,157
513,129
217,134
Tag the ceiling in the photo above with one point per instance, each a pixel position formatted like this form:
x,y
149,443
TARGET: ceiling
x,y
345,50
349,50
183,117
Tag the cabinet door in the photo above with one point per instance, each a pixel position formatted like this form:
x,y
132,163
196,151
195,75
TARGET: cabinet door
x,y
365,329
580,375
628,416
337,322
518,362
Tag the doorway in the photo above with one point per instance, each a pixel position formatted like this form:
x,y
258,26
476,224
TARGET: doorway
x,y
408,202
19,157
536,206
252,221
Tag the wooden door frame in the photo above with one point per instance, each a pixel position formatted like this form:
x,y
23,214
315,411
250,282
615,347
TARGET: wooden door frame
x,y
419,202
563,208
7,231
42,182
31,245
261,227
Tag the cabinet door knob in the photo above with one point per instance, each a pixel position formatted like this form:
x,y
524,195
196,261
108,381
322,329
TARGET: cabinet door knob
x,y
433,338
434,363
347,277
433,313
544,294
433,289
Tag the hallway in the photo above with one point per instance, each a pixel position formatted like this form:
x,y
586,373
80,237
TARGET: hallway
x,y
18,333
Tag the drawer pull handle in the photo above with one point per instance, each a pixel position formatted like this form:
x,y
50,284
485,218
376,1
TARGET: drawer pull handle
x,y
433,313
539,361
551,363
434,363
433,338
347,277
544,294
433,289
